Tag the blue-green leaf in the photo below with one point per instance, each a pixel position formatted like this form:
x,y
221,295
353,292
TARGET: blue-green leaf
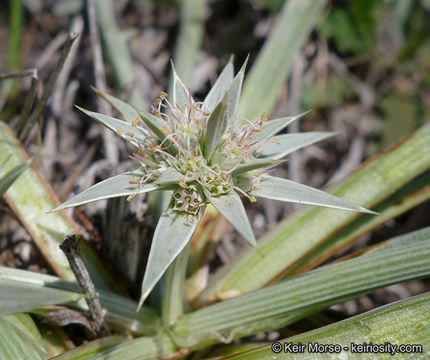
x,y
217,124
230,206
256,164
220,87
235,90
286,190
181,96
282,145
127,111
159,128
272,127
121,128
174,230
112,187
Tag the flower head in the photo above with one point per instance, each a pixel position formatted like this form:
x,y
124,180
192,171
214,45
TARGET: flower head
x,y
205,153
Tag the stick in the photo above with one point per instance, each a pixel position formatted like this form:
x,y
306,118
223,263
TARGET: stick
x,y
48,89
71,248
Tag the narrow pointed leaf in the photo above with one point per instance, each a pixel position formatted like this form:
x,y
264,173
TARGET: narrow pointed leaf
x,y
220,87
158,127
271,68
112,187
168,176
174,230
272,127
36,290
20,339
118,52
275,306
256,164
126,110
120,127
16,298
181,95
92,348
280,146
286,190
7,180
154,123
230,206
234,91
397,322
160,346
217,123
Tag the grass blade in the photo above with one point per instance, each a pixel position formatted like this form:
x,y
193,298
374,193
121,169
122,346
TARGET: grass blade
x,y
397,322
148,348
271,69
37,290
92,348
20,339
189,39
117,50
8,179
402,259
16,298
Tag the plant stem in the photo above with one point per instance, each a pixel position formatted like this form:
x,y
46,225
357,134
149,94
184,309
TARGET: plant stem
x,y
71,248
173,291
15,30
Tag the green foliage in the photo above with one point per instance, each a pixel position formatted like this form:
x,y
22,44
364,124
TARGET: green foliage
x,y
352,28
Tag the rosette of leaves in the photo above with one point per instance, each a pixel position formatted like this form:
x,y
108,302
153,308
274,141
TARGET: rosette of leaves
x,y
206,155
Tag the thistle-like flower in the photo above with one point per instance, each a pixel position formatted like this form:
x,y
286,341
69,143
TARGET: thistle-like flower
x,y
206,154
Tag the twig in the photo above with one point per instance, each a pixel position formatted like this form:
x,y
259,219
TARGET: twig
x,y
111,149
71,248
63,78
18,74
29,100
45,57
48,89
